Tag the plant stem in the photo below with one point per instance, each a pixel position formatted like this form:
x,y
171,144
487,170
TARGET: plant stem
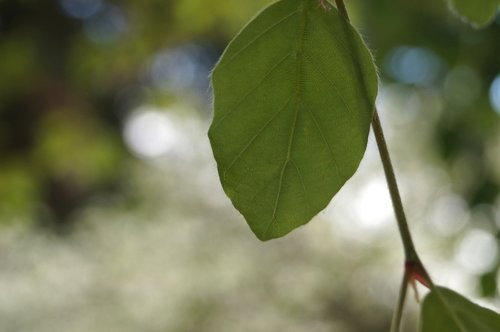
x,y
398,313
409,248
414,269
341,8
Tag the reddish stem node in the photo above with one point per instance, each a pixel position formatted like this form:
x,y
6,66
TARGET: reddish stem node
x,y
416,272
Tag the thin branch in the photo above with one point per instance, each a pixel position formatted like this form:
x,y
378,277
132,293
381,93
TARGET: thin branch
x,y
398,313
410,252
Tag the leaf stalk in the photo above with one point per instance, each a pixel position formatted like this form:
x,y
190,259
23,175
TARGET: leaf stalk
x,y
409,247
414,269
341,8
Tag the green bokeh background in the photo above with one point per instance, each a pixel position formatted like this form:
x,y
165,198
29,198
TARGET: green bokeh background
x,y
111,214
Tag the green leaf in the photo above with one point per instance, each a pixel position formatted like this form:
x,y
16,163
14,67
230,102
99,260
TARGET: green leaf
x,y
294,95
477,12
444,310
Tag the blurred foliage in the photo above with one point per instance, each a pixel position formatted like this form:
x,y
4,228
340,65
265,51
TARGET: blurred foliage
x,y
466,131
72,72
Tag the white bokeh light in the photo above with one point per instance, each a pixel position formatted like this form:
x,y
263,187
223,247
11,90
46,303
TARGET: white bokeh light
x,y
372,207
477,252
150,133
448,215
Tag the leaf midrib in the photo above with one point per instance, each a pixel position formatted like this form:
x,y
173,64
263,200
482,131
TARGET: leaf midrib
x,y
298,93
454,317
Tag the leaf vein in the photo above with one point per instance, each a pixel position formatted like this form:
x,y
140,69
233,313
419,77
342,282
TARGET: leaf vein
x,y
316,123
257,86
263,33
300,50
303,186
328,80
454,317
247,146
